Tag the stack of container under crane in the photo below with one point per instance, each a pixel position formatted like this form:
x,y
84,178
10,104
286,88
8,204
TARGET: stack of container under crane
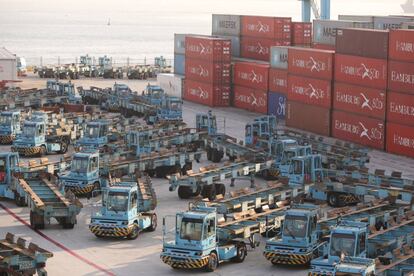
x,y
400,102
309,99
360,86
278,81
207,70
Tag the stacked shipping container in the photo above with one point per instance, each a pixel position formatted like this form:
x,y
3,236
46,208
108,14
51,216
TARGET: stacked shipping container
x,y
278,78
228,27
400,103
207,70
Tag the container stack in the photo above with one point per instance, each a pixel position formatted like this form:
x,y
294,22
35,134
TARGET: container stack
x,y
228,27
360,86
207,70
260,33
179,54
400,103
310,75
278,78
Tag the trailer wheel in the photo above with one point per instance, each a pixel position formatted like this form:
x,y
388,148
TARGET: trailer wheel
x,y
333,200
220,189
19,200
36,221
63,147
212,262
184,192
241,253
153,225
209,191
134,233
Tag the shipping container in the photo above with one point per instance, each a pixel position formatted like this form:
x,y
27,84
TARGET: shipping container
x,y
308,117
324,31
206,93
358,129
266,27
401,46
251,74
258,48
366,18
401,77
407,25
171,83
276,104
326,47
235,44
389,22
400,108
179,44
8,65
301,33
208,48
226,24
310,91
361,71
250,99
179,64
278,80
362,42
206,71
311,62
279,57
400,139
360,100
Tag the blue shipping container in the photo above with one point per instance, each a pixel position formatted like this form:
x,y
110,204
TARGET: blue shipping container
x,y
179,64
276,104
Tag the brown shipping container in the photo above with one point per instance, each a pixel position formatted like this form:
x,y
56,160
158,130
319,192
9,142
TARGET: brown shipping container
x,y
278,80
361,100
361,71
400,139
203,70
308,117
400,108
401,77
251,74
311,62
358,129
362,42
266,27
206,93
208,48
250,99
401,45
310,91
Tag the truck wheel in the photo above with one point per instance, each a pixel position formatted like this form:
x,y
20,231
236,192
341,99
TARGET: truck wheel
x,y
188,166
134,233
220,189
153,225
63,148
209,192
36,221
184,192
333,199
241,253
68,225
212,262
96,187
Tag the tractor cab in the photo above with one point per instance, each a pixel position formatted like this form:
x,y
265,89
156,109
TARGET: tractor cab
x,y
277,147
138,141
120,88
104,62
262,128
9,163
10,123
39,116
95,135
85,60
153,95
305,169
171,109
52,85
206,122
33,134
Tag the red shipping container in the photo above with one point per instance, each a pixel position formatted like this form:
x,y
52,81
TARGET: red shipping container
x,y
311,62
258,48
362,71
250,99
401,46
202,70
400,139
358,129
310,91
401,77
308,117
360,100
266,27
321,46
400,108
252,75
208,48
301,33
278,80
206,93
283,28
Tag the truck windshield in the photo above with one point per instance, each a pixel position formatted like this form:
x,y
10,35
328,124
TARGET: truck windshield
x,y
29,130
297,166
5,119
175,105
92,131
117,201
2,169
191,229
342,243
79,165
288,155
294,226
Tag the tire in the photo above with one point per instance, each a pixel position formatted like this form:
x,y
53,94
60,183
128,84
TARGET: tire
x,y
34,218
241,253
184,192
209,192
333,199
212,262
150,173
220,189
63,148
134,233
154,223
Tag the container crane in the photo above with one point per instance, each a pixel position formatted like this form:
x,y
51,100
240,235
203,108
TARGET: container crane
x,y
322,12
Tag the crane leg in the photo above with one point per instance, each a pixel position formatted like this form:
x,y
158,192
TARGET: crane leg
x,y
325,9
306,11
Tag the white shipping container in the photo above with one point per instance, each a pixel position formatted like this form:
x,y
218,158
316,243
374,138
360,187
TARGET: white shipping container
x,y
8,65
171,83
366,18
226,24
389,22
